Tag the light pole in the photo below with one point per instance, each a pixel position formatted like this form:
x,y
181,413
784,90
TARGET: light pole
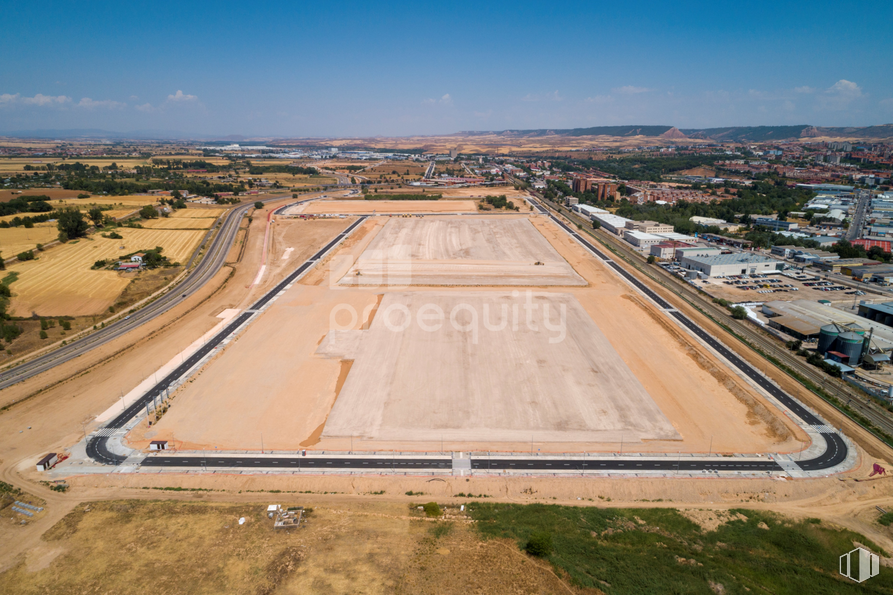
x,y
710,452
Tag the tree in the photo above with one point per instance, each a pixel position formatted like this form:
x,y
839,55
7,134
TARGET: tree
x,y
175,195
96,215
148,212
71,224
739,313
258,205
539,544
596,224
651,259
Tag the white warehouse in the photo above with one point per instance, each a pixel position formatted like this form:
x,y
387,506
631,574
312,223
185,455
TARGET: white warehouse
x,y
730,264
612,223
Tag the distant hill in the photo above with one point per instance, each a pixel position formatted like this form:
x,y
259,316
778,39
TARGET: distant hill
x,y
748,133
729,134
594,131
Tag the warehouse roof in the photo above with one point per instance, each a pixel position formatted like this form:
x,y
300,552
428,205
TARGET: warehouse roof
x,y
803,327
886,307
641,235
720,259
845,369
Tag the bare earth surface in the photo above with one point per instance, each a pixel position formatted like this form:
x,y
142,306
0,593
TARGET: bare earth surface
x,y
460,251
490,367
287,397
368,207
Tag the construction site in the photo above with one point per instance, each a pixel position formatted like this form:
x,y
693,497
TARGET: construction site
x,y
465,333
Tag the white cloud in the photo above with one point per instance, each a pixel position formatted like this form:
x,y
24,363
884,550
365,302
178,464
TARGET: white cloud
x,y
41,100
146,107
600,99
839,95
553,96
888,103
484,115
180,97
444,100
631,90
88,103
133,98
7,99
804,89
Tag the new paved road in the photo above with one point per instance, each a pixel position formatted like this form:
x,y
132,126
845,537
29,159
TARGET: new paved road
x,y
97,446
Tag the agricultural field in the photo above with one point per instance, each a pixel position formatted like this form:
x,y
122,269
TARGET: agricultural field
x,y
180,223
197,213
61,283
135,200
14,240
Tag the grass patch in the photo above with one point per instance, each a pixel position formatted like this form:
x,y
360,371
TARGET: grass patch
x,y
886,519
10,278
439,530
660,551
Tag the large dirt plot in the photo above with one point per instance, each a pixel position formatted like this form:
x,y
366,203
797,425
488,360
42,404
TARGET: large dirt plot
x,y
323,367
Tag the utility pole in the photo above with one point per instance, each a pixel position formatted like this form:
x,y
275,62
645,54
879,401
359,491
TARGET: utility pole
x,y
710,452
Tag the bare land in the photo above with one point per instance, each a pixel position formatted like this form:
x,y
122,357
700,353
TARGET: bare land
x,y
460,365
368,207
293,389
460,251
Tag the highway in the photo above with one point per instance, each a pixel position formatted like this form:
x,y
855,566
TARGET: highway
x,y
855,229
213,260
835,452
97,445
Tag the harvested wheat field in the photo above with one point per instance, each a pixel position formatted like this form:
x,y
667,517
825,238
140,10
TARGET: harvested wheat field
x,y
136,200
197,213
181,223
61,282
14,240
326,369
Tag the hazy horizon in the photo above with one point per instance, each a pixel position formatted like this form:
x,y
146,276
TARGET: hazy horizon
x,y
358,70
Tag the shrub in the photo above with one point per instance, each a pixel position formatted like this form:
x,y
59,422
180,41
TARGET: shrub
x,y
148,212
539,544
83,195
258,205
29,255
432,509
43,334
651,259
739,313
886,519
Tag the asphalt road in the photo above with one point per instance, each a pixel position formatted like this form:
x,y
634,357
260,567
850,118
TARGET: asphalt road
x,y
298,462
213,260
97,445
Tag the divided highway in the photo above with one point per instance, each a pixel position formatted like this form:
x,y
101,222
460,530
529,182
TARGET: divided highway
x,y
213,260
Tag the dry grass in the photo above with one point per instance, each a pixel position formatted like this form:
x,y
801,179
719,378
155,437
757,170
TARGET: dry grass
x,y
61,282
190,547
193,212
179,223
14,240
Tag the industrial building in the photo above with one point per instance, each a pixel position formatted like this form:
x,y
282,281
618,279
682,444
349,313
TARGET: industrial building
x,y
611,223
730,264
844,345
649,226
842,264
821,315
774,224
640,239
684,251
871,274
587,211
666,250
882,313
677,237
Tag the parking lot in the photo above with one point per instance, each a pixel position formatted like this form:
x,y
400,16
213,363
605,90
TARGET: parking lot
x,y
771,286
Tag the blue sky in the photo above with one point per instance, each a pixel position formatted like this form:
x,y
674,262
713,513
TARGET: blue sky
x,y
363,69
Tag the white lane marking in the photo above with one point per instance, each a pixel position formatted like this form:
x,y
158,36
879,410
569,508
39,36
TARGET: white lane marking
x,y
260,274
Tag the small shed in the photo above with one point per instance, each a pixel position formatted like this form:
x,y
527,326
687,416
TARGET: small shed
x,y
138,257
158,445
875,360
129,266
47,461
